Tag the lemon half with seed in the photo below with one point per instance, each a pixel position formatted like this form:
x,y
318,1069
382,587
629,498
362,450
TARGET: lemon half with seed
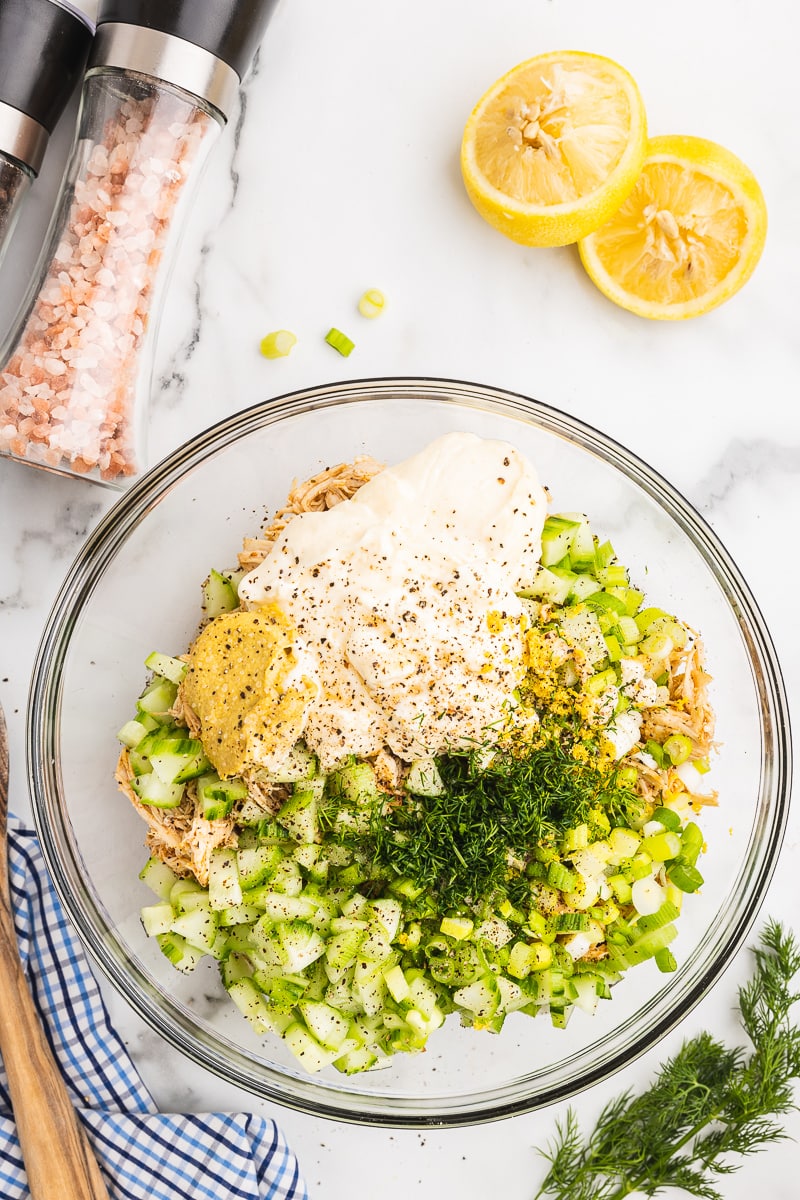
x,y
688,236
554,147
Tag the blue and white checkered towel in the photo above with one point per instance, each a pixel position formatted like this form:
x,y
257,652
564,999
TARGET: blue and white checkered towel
x,y
144,1154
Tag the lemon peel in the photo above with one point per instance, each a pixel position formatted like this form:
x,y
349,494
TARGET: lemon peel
x,y
554,147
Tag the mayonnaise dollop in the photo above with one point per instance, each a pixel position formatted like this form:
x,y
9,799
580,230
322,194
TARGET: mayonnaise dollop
x,y
405,599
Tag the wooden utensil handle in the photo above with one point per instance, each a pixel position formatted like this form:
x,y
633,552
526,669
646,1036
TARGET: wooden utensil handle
x,y
59,1162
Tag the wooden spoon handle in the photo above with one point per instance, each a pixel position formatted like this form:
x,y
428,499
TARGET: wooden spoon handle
x,y
58,1160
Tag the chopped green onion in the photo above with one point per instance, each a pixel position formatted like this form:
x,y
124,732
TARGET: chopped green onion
x,y
278,343
678,747
665,960
340,341
372,303
656,751
668,818
684,876
691,843
662,846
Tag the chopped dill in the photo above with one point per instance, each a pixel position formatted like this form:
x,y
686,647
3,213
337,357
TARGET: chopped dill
x,y
476,838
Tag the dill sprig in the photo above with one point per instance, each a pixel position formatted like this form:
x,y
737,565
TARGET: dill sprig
x,y
462,845
708,1102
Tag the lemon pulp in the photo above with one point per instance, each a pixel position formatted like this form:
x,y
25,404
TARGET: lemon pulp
x,y
687,237
553,148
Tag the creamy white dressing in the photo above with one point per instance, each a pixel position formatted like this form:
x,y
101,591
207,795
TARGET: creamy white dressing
x,y
405,600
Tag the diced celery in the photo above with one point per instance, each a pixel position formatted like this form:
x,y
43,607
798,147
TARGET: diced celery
x,y
662,846
397,983
528,956
458,928
684,875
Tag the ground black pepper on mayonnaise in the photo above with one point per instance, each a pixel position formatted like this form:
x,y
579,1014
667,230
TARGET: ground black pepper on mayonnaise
x,y
405,599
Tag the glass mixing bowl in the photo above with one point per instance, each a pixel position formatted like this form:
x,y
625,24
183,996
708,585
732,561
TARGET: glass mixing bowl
x,y
135,588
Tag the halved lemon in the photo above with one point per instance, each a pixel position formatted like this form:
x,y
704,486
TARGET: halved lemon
x,y
688,236
554,147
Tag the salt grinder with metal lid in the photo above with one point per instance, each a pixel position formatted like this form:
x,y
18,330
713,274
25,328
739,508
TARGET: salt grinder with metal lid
x,y
162,79
43,48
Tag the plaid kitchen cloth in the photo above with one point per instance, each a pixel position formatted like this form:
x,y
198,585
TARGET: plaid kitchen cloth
x,y
143,1154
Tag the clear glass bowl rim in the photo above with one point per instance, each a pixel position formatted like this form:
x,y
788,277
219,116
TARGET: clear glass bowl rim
x,y
63,860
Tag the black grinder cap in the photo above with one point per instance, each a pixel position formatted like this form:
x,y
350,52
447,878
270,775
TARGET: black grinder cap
x,y
231,30
43,49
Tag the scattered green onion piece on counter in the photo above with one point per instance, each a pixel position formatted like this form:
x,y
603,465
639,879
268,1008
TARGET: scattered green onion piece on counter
x,y
372,303
340,341
278,343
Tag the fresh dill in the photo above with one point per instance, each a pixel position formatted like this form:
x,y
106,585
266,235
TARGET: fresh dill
x,y
475,838
707,1103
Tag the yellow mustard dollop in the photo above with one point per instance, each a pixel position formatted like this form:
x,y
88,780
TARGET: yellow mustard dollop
x,y
246,684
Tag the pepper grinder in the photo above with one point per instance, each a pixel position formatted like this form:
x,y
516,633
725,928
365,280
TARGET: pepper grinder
x,y
161,81
43,48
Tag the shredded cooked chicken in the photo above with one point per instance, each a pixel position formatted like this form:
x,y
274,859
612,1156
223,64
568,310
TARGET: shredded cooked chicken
x,y
181,837
687,712
317,494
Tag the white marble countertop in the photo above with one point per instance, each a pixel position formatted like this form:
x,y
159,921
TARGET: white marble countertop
x,y
341,172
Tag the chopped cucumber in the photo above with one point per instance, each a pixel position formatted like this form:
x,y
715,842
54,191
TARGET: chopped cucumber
x,y
224,886
423,778
220,594
159,877
557,537
157,918
300,764
152,790
167,667
298,815
177,760
132,733
158,697
182,956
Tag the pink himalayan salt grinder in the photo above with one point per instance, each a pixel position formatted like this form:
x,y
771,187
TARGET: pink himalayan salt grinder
x,y
161,80
43,48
